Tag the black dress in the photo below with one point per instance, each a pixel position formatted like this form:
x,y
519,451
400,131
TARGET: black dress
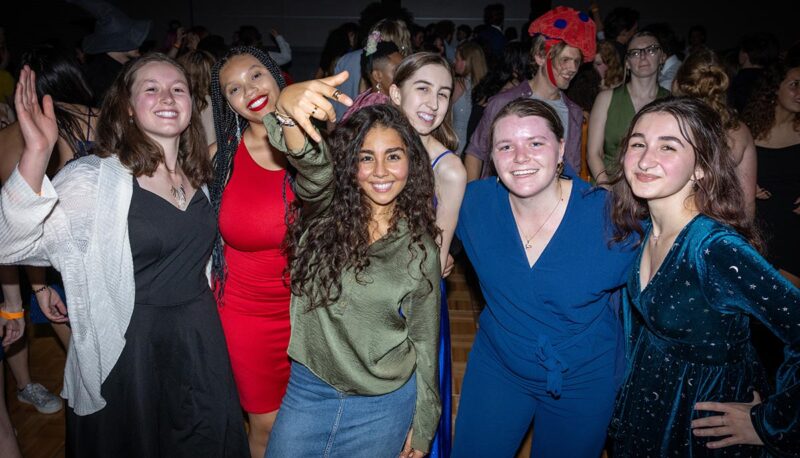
x,y
778,173
171,393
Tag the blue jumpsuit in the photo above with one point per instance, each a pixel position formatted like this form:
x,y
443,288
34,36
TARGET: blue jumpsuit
x,y
549,348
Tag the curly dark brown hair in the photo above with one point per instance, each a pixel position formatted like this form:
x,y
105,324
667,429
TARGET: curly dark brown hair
x,y
717,195
117,135
323,246
759,114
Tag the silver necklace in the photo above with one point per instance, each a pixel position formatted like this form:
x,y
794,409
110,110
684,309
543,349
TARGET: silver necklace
x,y
528,245
179,194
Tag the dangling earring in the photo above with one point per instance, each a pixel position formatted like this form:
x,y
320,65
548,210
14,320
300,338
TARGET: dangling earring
x,y
378,87
560,168
238,130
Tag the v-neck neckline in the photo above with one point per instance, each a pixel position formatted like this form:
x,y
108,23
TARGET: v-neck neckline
x,y
519,244
667,259
189,201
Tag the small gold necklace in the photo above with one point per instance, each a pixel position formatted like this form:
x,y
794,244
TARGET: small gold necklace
x,y
528,244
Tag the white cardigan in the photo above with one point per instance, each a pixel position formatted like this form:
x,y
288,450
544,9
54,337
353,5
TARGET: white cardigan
x,y
79,225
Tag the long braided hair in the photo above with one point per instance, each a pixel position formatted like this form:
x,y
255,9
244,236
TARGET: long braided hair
x,y
229,126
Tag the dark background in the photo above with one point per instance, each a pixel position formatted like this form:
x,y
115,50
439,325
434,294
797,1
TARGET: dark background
x,y
306,23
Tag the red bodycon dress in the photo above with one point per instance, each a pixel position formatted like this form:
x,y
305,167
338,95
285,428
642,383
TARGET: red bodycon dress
x,y
255,303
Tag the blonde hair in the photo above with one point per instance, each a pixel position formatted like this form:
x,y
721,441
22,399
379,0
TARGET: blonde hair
x,y
475,60
396,31
538,49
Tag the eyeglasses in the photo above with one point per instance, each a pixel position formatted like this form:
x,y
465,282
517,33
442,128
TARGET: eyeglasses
x,y
636,53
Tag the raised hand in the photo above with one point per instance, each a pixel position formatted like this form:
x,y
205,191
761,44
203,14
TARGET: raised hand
x,y
309,99
38,126
734,426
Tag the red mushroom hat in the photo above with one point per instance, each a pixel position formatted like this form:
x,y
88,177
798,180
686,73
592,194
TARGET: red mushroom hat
x,y
573,27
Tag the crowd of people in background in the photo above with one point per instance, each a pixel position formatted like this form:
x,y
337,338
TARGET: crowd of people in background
x,y
244,261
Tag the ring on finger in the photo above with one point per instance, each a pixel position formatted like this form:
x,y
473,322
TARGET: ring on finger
x,y
314,110
336,94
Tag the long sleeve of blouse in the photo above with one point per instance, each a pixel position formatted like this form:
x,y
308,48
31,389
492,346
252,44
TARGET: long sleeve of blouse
x,y
314,180
737,279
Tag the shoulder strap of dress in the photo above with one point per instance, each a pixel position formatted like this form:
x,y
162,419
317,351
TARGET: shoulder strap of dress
x,y
436,161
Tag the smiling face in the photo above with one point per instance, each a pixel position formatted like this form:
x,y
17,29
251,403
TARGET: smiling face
x,y
526,153
565,66
424,97
160,101
659,162
789,91
382,168
644,56
248,87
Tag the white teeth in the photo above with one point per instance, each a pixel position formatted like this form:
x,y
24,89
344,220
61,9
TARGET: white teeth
x,y
425,117
167,114
382,186
258,102
522,173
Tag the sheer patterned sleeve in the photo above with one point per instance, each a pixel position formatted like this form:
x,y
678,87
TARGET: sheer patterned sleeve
x,y
738,279
35,227
314,181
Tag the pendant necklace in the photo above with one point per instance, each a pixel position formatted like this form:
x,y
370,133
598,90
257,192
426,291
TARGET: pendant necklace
x,y
179,193
528,244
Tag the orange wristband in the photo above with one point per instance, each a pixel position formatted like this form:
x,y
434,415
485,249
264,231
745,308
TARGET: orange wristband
x,y
12,315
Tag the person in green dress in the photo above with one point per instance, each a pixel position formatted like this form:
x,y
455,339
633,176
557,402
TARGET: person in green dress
x,y
614,108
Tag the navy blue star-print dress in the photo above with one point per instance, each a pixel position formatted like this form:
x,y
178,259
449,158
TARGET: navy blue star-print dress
x,y
690,342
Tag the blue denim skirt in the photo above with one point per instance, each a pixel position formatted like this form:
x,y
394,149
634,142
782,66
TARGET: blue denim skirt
x,y
317,420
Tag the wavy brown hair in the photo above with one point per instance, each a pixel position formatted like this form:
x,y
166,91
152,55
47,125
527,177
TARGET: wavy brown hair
x,y
198,65
118,135
717,195
615,72
322,246
445,133
702,75
759,114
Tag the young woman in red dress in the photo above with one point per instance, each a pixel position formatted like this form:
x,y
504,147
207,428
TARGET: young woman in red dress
x,y
252,194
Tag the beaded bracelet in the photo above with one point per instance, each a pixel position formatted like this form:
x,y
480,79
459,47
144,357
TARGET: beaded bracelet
x,y
12,315
39,290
